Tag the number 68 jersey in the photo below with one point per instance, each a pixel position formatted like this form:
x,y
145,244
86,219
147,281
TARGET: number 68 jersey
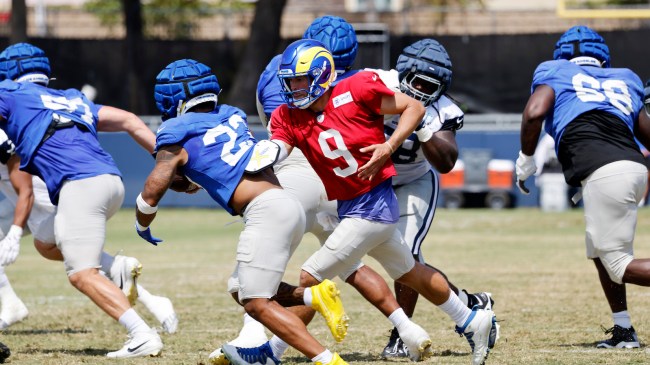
x,y
580,89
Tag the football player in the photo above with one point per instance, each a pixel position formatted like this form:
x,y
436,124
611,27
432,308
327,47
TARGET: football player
x,y
27,204
55,133
211,145
424,72
593,112
339,129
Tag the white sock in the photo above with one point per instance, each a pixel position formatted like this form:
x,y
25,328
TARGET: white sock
x,y
106,261
622,319
133,322
399,319
324,357
278,346
455,309
7,292
144,296
462,295
248,319
4,280
307,297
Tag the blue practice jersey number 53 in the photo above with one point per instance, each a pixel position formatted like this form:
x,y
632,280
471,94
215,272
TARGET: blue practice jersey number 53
x,y
588,89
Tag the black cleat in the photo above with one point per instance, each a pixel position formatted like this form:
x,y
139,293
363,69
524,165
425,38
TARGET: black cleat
x,y
622,338
4,353
395,347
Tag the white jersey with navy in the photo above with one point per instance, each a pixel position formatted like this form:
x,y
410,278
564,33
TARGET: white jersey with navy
x,y
7,149
409,158
219,146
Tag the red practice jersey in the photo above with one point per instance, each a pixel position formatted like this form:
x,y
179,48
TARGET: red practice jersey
x,y
331,140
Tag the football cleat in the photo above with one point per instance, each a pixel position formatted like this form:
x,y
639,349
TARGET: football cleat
x,y
251,335
145,343
124,273
622,338
482,300
327,302
477,330
336,360
395,347
13,311
262,355
163,309
417,341
4,353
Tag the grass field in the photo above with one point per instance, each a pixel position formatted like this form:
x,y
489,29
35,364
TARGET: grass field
x,y
547,295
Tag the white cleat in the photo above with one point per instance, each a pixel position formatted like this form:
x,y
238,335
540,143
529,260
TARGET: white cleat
x,y
163,309
124,273
417,341
13,311
146,343
251,335
478,331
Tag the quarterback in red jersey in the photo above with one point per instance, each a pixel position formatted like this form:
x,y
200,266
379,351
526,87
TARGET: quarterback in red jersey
x,y
340,130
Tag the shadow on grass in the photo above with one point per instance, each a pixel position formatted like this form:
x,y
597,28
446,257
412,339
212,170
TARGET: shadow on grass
x,y
45,331
79,352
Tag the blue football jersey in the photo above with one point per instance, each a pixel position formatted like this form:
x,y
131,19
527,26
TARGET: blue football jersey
x,y
580,89
219,145
27,109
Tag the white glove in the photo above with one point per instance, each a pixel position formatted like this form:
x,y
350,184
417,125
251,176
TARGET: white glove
x,y
10,246
524,167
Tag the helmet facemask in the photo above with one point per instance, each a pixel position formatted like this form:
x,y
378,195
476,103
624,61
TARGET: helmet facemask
x,y
421,87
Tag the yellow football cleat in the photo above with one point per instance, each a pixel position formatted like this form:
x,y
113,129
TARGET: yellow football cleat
x,y
327,302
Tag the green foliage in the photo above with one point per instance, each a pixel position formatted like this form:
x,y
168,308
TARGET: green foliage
x,y
173,19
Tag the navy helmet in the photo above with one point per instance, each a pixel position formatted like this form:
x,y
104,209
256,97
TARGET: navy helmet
x,y
310,58
582,41
339,38
24,62
182,85
424,70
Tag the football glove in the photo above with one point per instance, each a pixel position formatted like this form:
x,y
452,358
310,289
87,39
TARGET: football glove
x,y
426,128
525,167
10,246
145,233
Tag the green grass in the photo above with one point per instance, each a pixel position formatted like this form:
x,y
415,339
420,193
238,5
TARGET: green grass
x,y
547,294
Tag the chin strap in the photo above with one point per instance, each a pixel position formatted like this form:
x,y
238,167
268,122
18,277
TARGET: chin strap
x,y
586,61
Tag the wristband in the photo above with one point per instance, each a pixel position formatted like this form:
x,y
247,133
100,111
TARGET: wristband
x,y
424,134
143,206
391,148
140,227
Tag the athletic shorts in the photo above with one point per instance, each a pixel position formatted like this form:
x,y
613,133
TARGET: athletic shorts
x,y
417,207
80,223
611,195
274,223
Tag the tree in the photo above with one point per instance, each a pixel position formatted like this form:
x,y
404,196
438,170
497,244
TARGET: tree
x,y
18,22
261,47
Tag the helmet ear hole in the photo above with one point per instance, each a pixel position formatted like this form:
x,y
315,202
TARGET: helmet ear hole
x,y
183,84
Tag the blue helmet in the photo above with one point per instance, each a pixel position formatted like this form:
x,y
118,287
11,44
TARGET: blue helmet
x,y
24,62
310,58
338,36
182,85
424,70
582,41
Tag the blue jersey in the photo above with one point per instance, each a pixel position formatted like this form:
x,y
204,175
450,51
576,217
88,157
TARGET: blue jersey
x,y
69,154
269,88
218,145
580,89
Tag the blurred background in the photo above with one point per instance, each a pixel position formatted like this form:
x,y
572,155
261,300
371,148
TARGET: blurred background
x,y
113,50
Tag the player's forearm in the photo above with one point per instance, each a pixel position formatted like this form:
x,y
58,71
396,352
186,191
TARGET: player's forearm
x,y
441,151
409,120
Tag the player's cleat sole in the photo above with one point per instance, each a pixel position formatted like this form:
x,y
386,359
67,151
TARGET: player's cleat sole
x,y
140,344
336,360
124,273
217,357
326,300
